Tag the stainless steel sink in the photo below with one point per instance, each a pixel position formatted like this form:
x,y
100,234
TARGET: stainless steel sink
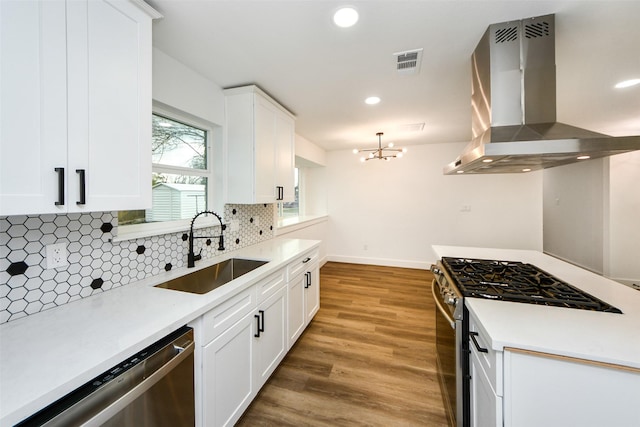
x,y
210,278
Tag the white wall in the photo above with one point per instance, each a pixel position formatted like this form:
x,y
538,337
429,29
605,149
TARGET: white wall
x,y
573,213
390,213
591,215
622,242
177,88
180,87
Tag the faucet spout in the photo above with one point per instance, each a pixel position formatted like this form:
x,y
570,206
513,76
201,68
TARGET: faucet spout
x,y
191,256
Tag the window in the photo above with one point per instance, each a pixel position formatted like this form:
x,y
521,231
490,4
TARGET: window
x,y
291,209
180,173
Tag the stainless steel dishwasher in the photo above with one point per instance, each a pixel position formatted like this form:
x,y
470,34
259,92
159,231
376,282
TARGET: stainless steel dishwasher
x,y
154,387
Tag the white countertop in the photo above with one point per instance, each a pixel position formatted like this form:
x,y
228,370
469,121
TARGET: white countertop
x,y
606,337
51,353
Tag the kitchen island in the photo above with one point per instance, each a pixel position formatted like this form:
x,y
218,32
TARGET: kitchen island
x,y
546,365
51,353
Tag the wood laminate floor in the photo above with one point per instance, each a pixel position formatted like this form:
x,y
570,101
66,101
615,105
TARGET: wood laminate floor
x,y
366,359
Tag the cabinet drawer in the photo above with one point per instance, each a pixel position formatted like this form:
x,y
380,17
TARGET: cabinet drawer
x,y
228,313
269,286
491,360
301,263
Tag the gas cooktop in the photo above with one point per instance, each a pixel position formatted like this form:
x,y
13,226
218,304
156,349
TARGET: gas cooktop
x,y
518,282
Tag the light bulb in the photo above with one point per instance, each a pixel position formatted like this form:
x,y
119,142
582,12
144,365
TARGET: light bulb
x,y
371,155
399,155
362,159
404,150
345,17
355,151
391,145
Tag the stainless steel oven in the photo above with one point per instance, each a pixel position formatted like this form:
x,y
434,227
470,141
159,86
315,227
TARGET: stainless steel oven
x,y
152,388
452,349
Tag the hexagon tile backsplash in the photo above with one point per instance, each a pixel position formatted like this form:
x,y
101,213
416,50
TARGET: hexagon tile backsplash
x,y
95,263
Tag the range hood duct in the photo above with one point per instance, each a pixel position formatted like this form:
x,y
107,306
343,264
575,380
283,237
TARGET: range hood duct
x,y
514,106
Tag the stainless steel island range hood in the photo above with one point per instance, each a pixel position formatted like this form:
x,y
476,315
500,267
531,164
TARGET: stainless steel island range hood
x,y
514,106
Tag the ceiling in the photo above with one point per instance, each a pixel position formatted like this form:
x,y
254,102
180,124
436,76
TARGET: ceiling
x,y
323,73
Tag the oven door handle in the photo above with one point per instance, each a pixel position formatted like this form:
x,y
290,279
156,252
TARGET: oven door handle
x,y
442,310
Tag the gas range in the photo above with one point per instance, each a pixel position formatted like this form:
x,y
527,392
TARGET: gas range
x,y
518,282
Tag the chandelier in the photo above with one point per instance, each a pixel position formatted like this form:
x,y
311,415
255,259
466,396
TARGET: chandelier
x,y
381,153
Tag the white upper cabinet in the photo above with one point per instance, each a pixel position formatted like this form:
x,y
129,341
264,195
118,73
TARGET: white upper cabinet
x,y
260,138
75,88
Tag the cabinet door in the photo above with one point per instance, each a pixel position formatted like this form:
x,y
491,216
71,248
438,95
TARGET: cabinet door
x,y
312,293
485,405
285,159
33,113
272,342
296,315
227,370
109,101
265,145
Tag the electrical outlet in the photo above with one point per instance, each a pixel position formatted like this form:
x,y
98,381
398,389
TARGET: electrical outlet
x,y
57,255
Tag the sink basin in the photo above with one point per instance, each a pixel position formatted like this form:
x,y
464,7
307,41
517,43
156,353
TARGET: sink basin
x,y
210,278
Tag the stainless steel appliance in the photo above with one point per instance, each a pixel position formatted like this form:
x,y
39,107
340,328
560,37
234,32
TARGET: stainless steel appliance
x,y
154,387
460,278
513,102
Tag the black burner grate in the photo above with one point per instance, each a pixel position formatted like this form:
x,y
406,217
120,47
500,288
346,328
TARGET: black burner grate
x,y
518,282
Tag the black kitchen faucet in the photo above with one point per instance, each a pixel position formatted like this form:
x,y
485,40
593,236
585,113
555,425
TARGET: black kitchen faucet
x,y
191,257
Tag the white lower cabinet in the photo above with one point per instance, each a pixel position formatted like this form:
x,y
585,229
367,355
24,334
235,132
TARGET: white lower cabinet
x,y
271,341
227,374
485,366
244,338
303,294
486,405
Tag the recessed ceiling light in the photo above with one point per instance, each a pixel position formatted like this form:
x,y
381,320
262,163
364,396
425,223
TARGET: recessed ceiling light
x,y
583,157
372,100
345,17
628,83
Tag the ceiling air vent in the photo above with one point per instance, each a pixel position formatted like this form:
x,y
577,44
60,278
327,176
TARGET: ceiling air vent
x,y
408,62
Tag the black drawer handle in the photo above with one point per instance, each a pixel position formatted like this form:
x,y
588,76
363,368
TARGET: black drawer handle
x,y
473,336
60,172
83,187
257,334
307,279
262,316
306,260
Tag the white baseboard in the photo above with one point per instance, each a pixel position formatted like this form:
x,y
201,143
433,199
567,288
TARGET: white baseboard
x,y
422,265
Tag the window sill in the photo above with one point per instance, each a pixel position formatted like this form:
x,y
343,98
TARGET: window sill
x,y
288,225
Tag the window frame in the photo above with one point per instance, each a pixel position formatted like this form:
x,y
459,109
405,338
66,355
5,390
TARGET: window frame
x,y
134,231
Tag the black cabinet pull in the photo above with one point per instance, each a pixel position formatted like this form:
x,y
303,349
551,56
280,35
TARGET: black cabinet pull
x,y
307,276
279,193
262,316
473,336
83,187
306,260
60,172
257,334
